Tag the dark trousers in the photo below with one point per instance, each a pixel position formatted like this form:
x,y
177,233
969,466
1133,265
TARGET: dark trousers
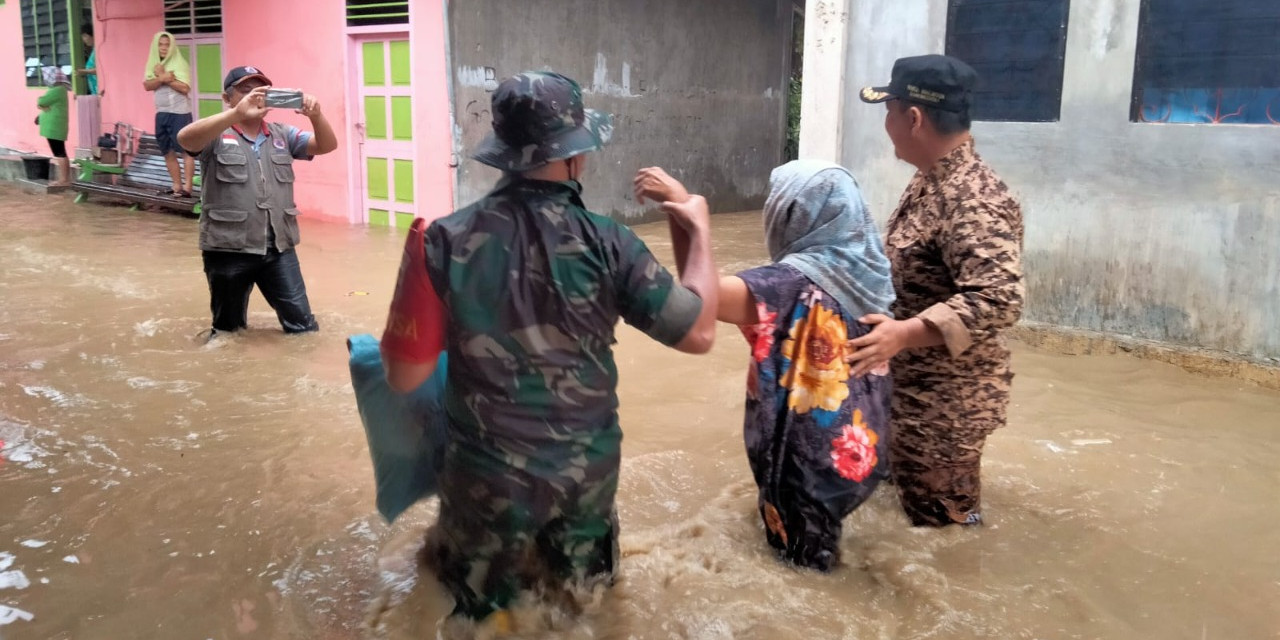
x,y
232,277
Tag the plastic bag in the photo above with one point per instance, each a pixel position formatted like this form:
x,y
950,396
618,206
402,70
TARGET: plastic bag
x,y
406,432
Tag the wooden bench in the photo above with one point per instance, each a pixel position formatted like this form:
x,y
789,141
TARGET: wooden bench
x,y
140,183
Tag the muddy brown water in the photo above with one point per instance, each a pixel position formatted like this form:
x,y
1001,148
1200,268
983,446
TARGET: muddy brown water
x,y
155,487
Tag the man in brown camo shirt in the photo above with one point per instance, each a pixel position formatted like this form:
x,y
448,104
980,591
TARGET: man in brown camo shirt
x,y
955,244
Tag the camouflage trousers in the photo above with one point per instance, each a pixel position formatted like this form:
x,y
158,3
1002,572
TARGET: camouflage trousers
x,y
504,532
939,430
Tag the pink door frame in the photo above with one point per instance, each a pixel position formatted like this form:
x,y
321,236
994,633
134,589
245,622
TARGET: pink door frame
x,y
356,117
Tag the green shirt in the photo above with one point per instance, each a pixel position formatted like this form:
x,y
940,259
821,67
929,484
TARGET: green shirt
x,y
53,122
534,285
92,79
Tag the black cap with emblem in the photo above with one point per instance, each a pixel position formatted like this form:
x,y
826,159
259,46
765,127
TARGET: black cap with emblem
x,y
240,74
941,82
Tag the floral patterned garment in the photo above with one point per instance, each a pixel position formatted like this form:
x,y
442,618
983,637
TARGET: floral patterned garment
x,y
817,439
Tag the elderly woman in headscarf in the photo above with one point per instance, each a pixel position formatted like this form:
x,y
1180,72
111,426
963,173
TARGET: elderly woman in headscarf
x,y
53,120
817,437
169,75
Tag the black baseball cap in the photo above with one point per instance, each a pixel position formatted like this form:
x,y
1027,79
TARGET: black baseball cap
x,y
941,82
239,74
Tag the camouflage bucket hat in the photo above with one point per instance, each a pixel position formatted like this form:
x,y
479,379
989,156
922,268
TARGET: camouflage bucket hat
x,y
538,118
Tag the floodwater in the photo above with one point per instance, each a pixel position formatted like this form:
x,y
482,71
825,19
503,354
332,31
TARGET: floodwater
x,y
156,487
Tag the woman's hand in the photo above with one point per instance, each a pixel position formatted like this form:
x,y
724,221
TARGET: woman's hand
x,y
692,215
655,184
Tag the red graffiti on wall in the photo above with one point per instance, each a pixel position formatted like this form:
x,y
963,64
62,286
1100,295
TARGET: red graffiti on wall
x,y
1218,116
1168,112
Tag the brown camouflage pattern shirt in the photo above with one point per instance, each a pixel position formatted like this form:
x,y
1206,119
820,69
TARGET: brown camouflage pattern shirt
x,y
955,243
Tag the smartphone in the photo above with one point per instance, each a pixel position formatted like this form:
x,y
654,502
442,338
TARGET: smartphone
x,y
284,98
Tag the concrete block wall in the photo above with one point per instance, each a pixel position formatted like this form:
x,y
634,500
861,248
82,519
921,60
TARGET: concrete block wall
x,y
696,87
1167,232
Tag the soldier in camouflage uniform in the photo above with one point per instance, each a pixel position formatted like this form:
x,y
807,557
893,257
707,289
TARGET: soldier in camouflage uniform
x,y
955,244
533,285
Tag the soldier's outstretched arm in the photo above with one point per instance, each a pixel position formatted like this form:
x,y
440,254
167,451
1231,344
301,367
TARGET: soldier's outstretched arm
x,y
697,268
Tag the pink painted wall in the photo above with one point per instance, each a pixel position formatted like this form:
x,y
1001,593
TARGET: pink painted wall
x,y
17,101
122,33
123,30
433,122
300,44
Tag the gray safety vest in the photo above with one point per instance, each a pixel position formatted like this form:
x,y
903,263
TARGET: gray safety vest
x,y
242,193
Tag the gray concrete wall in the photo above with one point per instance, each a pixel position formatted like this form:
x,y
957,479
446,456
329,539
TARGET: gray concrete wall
x,y
697,87
1168,232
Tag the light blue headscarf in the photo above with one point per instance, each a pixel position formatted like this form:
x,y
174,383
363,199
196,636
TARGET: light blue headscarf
x,y
816,221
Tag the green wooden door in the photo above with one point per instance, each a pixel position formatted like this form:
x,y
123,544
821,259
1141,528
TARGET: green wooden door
x,y
386,110
205,58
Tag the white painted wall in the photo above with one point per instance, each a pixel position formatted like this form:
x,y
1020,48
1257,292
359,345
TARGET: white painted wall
x,y
826,30
1164,232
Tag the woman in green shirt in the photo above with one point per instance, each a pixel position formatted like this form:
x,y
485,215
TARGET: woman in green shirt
x,y
53,120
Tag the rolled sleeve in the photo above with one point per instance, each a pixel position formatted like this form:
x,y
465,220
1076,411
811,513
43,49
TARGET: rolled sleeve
x,y
649,298
948,323
676,318
983,251
298,141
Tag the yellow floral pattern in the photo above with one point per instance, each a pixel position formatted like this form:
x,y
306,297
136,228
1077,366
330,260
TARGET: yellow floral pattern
x,y
818,376
816,437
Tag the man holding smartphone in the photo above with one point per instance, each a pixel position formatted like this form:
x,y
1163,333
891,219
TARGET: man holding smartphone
x,y
249,226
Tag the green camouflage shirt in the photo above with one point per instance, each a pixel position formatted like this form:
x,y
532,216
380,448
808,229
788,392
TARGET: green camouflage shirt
x,y
534,285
